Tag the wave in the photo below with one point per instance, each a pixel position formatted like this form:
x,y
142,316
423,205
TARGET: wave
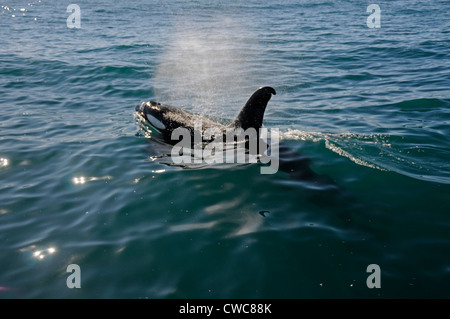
x,y
384,152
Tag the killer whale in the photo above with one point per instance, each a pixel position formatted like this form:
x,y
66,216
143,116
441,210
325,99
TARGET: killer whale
x,y
320,189
166,118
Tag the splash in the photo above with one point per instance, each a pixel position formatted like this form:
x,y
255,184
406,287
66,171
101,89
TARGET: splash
x,y
360,161
385,152
348,145
298,135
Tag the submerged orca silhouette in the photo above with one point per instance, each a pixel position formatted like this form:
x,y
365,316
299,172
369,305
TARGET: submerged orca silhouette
x,y
166,119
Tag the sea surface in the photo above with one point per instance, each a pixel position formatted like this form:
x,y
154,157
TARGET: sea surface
x,y
81,183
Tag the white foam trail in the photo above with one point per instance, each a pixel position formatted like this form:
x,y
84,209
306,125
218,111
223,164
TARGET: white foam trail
x,y
332,147
331,141
297,135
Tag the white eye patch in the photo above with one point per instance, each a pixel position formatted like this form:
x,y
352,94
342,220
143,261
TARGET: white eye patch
x,y
155,122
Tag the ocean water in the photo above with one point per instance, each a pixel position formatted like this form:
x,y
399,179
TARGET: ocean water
x,y
79,183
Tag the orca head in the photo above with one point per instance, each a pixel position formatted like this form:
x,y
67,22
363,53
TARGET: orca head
x,y
252,114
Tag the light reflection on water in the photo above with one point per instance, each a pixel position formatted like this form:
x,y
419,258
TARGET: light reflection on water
x,y
82,179
3,162
41,254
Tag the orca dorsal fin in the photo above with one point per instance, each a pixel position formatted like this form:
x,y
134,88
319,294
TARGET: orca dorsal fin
x,y
252,114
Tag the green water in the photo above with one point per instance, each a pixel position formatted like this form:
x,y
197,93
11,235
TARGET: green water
x,y
78,183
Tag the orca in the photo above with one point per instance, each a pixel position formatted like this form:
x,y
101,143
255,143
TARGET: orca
x,y
166,118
